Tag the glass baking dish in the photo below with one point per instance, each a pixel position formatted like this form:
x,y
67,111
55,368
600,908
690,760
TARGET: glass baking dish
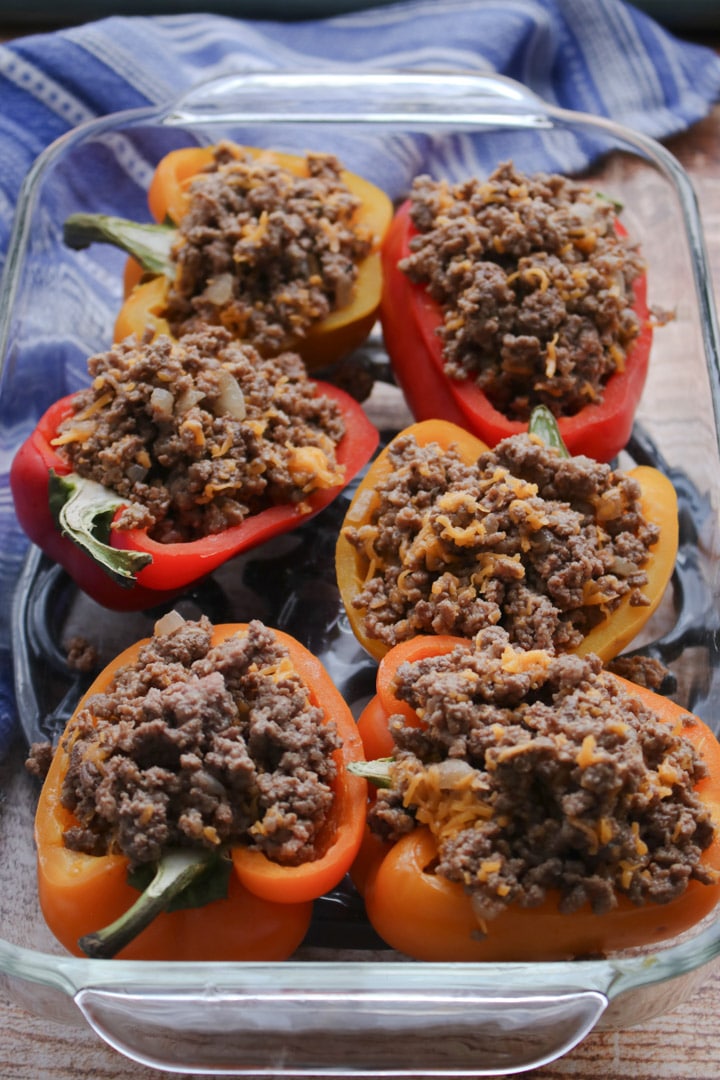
x,y
344,1005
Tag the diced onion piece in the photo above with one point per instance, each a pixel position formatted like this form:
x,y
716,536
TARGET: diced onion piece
x,y
230,399
219,290
188,398
168,624
162,402
136,473
452,771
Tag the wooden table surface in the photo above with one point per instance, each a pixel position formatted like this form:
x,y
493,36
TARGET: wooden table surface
x,y
684,1044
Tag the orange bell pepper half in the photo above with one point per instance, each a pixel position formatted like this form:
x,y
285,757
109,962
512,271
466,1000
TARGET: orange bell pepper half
x,y
372,722
295,884
429,917
610,636
268,907
335,336
410,320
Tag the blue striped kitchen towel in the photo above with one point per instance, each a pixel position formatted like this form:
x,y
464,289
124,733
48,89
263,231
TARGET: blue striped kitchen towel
x,y
598,56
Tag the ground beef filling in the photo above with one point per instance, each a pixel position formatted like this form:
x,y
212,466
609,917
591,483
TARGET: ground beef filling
x,y
535,283
201,745
539,773
263,252
543,545
199,433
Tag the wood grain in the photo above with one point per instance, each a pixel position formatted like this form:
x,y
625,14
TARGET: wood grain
x,y
682,1045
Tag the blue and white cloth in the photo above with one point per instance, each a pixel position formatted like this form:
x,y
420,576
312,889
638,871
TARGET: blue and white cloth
x,y
597,56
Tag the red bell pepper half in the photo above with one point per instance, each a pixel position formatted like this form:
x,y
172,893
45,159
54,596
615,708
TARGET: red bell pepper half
x,y
126,569
410,318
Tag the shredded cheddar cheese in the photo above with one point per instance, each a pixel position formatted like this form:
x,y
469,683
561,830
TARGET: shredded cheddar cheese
x,y
446,807
515,661
310,468
586,755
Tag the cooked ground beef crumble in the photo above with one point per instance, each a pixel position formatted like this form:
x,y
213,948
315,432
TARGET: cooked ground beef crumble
x,y
199,433
537,772
643,670
544,545
535,283
39,759
263,252
201,745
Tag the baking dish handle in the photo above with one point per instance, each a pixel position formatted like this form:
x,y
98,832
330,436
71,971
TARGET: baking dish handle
x,y
362,1034
360,98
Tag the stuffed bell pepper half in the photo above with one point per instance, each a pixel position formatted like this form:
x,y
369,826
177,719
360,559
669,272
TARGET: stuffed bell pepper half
x,y
199,799
181,454
514,291
447,536
280,249
531,806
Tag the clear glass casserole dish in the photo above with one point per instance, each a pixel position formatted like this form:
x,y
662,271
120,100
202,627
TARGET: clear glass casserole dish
x,y
344,1005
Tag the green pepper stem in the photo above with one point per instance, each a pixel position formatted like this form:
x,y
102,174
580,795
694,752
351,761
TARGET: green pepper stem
x,y
175,872
616,204
150,245
83,510
376,772
545,426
